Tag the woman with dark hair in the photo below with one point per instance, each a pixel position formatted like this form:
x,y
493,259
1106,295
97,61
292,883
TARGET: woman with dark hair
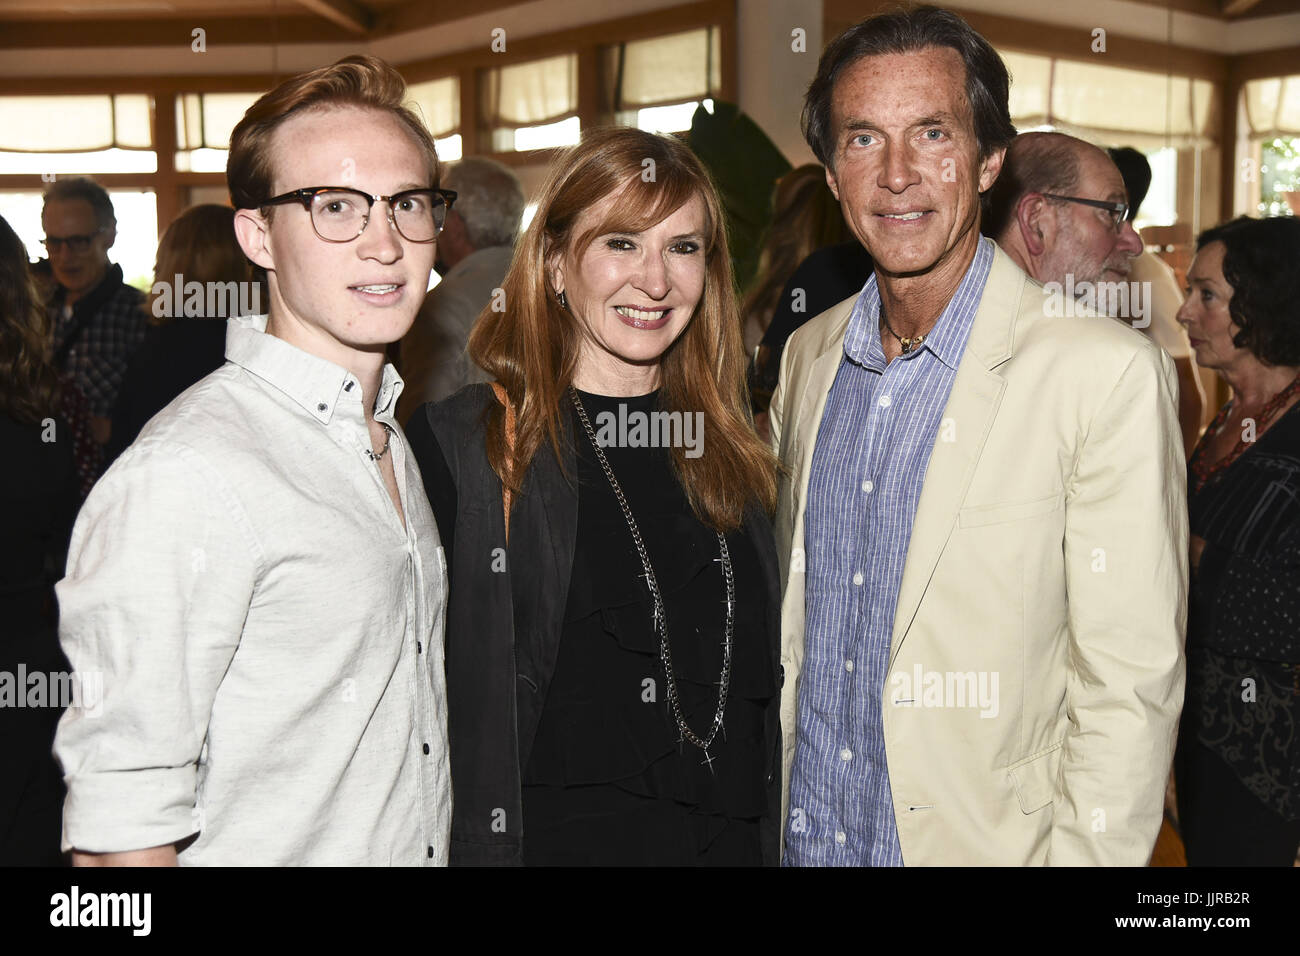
x,y
612,654
1237,769
201,277
39,489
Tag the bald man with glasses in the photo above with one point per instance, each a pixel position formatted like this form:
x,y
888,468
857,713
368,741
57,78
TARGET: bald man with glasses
x,y
1064,212
1060,210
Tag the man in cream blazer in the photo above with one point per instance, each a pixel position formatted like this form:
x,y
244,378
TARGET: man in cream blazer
x,y
1035,668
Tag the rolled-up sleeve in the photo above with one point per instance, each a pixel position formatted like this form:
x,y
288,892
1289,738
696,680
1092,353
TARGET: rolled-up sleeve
x,y
161,572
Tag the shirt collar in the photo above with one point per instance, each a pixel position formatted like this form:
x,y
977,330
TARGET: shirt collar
x,y
319,386
946,341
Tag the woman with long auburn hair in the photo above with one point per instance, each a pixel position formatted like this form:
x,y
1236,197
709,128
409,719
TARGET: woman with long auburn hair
x,y
612,633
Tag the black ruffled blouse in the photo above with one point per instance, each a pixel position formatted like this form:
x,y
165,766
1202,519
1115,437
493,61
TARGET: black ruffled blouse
x,y
607,781
1243,628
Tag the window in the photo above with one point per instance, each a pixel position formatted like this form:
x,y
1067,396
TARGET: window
x,y
1160,208
204,122
105,133
438,104
531,105
1279,177
1272,114
1110,104
657,84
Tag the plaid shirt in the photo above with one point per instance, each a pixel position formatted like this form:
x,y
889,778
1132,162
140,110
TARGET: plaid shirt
x,y
99,354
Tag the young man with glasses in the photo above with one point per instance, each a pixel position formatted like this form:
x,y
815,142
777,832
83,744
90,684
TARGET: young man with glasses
x,y
99,321
258,579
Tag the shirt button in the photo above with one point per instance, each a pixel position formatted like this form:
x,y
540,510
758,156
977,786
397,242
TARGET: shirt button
x,y
868,486
841,837
321,407
846,754
848,665
431,853
426,748
419,647
884,401
858,579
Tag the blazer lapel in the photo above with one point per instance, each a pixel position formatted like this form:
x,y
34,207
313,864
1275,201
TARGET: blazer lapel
x,y
967,419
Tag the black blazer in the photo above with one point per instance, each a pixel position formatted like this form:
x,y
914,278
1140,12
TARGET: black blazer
x,y
505,615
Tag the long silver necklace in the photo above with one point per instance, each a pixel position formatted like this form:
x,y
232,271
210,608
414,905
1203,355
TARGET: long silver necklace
x,y
659,618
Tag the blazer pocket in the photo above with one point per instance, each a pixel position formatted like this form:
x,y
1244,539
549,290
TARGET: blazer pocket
x,y
1018,511
1035,778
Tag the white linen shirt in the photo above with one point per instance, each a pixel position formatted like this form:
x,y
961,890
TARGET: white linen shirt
x,y
270,637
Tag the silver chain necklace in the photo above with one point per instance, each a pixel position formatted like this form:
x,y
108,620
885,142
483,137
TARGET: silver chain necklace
x,y
660,621
376,455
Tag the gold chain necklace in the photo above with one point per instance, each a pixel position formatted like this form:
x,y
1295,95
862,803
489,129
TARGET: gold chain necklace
x,y
909,345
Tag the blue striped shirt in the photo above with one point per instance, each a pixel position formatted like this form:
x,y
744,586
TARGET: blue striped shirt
x,y
874,443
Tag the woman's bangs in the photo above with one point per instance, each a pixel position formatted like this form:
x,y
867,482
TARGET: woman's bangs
x,y
646,204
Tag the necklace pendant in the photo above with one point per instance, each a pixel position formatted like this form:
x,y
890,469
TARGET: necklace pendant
x,y
708,760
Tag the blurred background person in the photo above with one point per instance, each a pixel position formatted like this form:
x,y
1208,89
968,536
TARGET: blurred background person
x,y
805,217
806,222
1237,768
184,342
474,253
1164,299
98,324
1059,209
38,487
590,677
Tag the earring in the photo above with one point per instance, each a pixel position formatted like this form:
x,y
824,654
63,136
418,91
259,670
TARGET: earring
x,y
564,302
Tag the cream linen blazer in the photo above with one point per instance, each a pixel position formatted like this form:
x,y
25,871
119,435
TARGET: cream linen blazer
x,y
1048,553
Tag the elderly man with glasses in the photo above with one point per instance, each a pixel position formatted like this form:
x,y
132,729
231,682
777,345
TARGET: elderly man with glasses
x,y
98,320
1059,209
1063,210
257,583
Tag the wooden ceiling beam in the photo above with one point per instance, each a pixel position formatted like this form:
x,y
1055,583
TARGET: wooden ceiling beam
x,y
348,14
416,14
234,31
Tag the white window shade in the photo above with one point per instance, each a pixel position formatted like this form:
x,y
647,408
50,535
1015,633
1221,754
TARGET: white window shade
x,y
1273,107
665,70
1031,88
530,94
1110,104
75,124
206,120
438,103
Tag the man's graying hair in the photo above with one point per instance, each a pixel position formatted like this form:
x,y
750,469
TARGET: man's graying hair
x,y
79,187
490,200
907,31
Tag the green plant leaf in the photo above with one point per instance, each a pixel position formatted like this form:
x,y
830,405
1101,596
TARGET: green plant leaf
x,y
745,165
